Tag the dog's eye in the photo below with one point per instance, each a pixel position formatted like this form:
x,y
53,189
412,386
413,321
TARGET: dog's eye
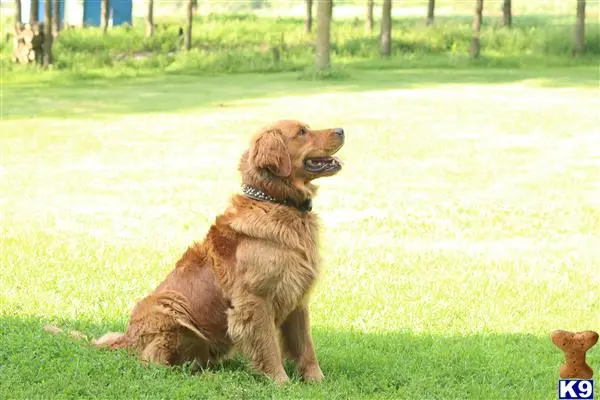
x,y
302,132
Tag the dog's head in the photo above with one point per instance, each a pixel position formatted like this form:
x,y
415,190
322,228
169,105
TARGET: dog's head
x,y
292,154
290,149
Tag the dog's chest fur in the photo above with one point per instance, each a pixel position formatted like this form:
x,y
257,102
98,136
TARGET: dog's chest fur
x,y
277,258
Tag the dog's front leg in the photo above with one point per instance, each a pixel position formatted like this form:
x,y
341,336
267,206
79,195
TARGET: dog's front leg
x,y
298,343
251,325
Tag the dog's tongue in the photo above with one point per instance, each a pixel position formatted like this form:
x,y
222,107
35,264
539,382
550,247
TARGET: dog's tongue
x,y
313,162
323,162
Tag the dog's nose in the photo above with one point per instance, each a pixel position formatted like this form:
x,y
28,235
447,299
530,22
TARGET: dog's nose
x,y
339,132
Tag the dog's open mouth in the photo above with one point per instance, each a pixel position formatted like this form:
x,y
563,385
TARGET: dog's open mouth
x,y
322,164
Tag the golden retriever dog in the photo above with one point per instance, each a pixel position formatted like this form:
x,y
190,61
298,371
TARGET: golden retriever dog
x,y
246,286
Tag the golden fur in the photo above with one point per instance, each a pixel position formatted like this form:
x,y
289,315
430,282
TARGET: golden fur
x,y
246,285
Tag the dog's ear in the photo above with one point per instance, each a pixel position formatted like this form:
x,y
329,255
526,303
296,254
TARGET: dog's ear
x,y
268,150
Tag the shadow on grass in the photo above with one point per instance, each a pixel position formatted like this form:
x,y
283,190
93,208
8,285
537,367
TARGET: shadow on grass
x,y
394,365
84,99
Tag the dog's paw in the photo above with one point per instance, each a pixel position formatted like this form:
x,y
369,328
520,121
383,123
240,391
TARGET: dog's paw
x,y
281,379
78,335
313,374
52,329
107,340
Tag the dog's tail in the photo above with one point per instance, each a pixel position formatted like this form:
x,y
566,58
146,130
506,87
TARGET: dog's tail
x,y
113,340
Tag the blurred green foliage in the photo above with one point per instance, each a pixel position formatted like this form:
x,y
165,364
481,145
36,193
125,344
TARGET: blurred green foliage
x,y
235,43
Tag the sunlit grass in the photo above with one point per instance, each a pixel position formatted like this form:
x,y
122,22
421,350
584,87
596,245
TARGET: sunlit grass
x,y
464,228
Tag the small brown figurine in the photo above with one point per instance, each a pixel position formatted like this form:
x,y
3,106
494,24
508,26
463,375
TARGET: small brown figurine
x,y
575,345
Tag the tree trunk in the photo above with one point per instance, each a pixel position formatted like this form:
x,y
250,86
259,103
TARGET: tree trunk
x,y
507,13
187,40
150,18
56,20
431,12
579,42
386,28
47,33
308,18
323,35
475,43
370,21
34,16
104,15
17,16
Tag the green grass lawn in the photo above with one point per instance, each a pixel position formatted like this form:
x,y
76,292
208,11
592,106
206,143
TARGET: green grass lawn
x,y
464,228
